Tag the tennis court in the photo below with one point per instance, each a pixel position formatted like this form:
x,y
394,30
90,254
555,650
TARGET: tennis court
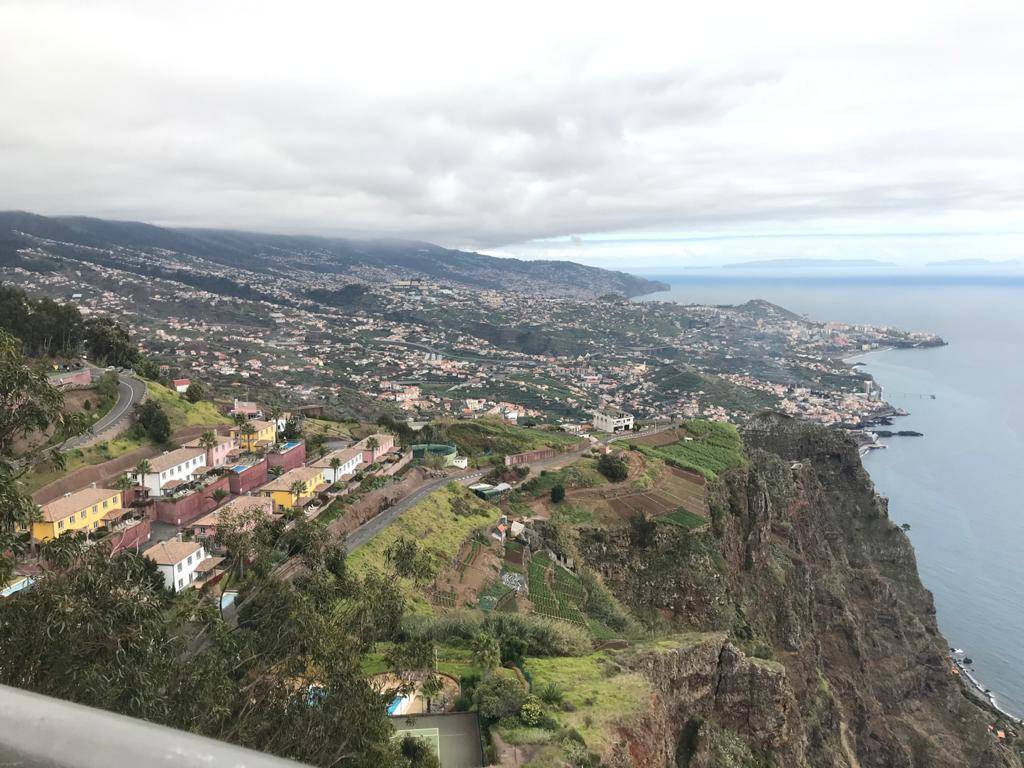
x,y
455,737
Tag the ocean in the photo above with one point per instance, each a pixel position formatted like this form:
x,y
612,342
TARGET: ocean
x,y
957,487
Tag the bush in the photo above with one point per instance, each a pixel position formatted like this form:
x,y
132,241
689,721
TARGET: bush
x,y
613,468
543,637
498,696
557,493
531,712
551,694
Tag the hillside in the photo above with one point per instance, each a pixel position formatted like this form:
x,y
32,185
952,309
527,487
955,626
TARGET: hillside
x,y
373,260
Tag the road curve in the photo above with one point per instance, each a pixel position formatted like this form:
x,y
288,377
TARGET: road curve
x,y
130,390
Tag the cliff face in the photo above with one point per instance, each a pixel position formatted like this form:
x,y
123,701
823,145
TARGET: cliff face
x,y
800,565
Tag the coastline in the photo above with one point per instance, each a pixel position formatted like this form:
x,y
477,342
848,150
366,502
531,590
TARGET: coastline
x,y
972,685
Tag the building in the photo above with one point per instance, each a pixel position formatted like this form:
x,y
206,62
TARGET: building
x,y
169,470
180,385
254,433
283,489
177,561
383,442
79,511
245,408
206,526
217,456
350,459
612,420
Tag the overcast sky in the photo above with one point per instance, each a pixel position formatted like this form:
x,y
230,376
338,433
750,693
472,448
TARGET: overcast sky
x,y
634,136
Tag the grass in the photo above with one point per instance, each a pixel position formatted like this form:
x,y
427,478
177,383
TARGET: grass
x,y
600,693
327,428
81,457
180,412
683,519
435,526
492,436
716,447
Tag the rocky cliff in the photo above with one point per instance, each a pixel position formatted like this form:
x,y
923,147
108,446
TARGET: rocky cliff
x,y
818,643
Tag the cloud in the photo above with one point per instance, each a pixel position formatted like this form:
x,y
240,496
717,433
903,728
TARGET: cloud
x,y
473,126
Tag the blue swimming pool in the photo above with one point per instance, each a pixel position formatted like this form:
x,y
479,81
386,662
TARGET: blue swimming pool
x,y
289,445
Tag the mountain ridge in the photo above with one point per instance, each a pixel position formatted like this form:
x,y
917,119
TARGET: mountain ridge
x,y
386,258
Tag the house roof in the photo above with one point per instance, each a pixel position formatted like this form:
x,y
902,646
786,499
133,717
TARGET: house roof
x,y
173,458
60,508
284,482
209,564
344,455
221,439
237,504
181,382
171,552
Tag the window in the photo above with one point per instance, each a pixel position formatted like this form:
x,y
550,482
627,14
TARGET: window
x,y
71,519
60,524
189,561
181,583
179,567
106,503
95,508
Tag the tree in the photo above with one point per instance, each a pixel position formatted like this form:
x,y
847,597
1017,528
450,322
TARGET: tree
x,y
373,444
124,482
247,430
486,652
498,696
194,392
108,342
418,752
238,533
613,468
219,495
291,430
142,469
557,493
276,471
335,465
208,440
409,560
28,407
154,421
297,490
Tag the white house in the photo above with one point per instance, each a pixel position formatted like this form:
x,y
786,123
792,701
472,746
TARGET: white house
x,y
169,470
181,385
177,562
612,420
350,458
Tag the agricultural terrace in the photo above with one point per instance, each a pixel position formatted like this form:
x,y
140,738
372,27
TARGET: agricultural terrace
x,y
653,488
439,524
488,436
706,447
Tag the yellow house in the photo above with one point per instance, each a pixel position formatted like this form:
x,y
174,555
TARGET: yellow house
x,y
262,432
282,489
79,511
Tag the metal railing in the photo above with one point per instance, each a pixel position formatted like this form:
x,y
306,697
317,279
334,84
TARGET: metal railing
x,y
40,732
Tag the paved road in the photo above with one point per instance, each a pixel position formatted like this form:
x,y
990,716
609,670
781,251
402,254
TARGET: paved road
x,y
130,391
375,525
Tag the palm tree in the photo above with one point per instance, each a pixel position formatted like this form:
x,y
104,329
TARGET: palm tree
x,y
298,489
124,482
218,496
247,430
142,469
335,464
208,441
276,471
373,444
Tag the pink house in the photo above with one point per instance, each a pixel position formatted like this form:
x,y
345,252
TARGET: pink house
x,y
385,444
218,455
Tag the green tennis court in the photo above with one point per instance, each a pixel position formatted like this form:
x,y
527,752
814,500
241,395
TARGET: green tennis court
x,y
430,735
455,736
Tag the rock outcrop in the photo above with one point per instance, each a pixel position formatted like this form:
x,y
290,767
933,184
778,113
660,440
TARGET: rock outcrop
x,y
802,566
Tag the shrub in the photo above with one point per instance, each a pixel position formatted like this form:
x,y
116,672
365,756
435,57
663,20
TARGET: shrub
x,y
531,712
557,493
551,694
613,468
498,696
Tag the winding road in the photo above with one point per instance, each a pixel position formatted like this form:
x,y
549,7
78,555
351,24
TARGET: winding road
x,y
130,391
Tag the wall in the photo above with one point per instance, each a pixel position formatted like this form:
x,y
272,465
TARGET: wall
x,y
252,478
516,459
194,505
288,460
134,537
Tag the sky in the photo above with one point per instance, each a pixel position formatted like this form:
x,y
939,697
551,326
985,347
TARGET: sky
x,y
641,136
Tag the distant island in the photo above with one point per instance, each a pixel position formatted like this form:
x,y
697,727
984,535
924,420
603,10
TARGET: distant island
x,y
975,263
808,263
